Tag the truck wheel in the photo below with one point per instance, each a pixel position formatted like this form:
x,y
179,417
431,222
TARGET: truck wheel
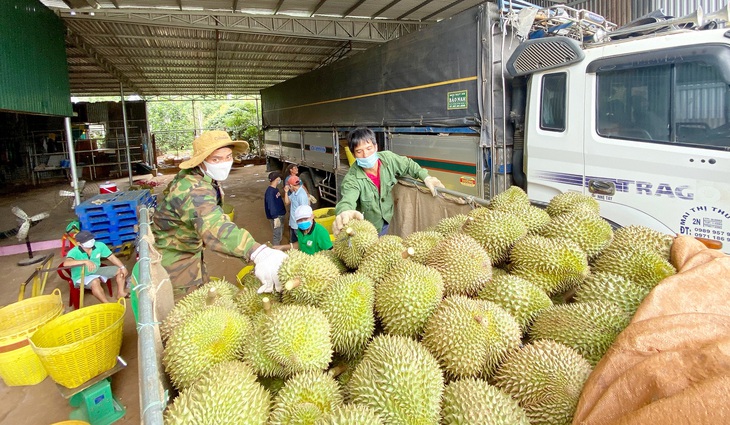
x,y
306,179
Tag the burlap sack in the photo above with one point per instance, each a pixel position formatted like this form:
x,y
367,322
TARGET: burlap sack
x,y
671,365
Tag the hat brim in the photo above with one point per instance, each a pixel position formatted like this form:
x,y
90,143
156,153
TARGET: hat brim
x,y
239,147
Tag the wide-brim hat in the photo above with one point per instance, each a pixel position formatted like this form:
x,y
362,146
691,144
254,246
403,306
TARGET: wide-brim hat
x,y
208,142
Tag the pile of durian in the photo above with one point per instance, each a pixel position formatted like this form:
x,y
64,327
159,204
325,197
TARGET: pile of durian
x,y
495,317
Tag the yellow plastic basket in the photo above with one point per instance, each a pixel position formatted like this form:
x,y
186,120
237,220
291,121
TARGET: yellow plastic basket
x,y
325,217
19,365
82,344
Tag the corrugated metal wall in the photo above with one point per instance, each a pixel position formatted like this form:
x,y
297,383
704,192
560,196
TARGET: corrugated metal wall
x,y
624,11
33,68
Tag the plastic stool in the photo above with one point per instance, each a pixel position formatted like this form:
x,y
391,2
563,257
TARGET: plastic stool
x,y
74,292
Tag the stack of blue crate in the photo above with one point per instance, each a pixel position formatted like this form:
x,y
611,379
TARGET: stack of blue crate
x,y
112,217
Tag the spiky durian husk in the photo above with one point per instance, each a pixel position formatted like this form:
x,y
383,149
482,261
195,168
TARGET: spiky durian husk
x,y
351,414
470,337
637,263
546,378
612,288
304,398
250,303
589,328
474,401
226,394
308,275
348,305
553,264
571,202
206,338
407,297
400,380
450,225
255,354
298,338
496,231
513,197
464,265
656,241
382,256
520,298
330,254
591,232
353,241
422,243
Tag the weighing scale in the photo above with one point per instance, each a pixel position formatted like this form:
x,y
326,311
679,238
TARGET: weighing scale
x,y
93,400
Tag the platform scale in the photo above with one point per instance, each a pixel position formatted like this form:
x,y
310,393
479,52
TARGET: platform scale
x,y
93,400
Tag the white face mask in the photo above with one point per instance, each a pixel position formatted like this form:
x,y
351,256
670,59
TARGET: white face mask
x,y
88,244
218,172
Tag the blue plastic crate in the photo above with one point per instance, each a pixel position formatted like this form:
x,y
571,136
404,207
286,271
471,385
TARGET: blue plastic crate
x,y
117,201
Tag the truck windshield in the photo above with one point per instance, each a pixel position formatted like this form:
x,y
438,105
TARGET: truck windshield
x,y
685,103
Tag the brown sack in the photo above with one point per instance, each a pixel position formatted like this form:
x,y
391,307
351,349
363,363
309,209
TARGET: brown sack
x,y
672,363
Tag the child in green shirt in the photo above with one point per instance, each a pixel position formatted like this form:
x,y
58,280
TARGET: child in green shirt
x,y
312,237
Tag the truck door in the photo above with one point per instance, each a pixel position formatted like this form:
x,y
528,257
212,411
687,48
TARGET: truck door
x,y
657,150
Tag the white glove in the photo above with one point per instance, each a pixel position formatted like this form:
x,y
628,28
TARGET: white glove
x,y
312,199
432,183
343,218
277,223
267,262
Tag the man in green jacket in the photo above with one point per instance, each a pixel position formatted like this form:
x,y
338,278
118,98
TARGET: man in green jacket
x,y
366,188
190,217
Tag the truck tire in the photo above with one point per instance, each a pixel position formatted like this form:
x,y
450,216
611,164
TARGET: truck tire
x,y
306,179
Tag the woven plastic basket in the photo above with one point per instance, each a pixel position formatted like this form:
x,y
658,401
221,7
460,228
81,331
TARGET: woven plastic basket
x,y
82,344
19,365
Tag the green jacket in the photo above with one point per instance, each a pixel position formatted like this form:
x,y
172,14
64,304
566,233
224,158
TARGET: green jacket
x,y
190,216
359,193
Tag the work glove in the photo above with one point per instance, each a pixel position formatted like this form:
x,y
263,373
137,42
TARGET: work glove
x,y
277,223
343,218
312,199
268,261
432,183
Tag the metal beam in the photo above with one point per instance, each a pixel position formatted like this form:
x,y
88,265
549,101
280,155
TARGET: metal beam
x,y
163,53
234,8
317,7
278,6
385,8
447,7
353,8
317,28
419,6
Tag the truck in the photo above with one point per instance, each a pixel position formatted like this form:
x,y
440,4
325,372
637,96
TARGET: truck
x,y
548,99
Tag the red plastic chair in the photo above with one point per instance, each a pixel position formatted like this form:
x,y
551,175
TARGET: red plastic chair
x,y
74,293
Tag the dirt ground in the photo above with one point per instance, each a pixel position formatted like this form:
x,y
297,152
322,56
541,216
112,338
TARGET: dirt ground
x,y
43,403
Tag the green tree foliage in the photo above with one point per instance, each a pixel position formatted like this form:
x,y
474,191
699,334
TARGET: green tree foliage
x,y
172,124
239,118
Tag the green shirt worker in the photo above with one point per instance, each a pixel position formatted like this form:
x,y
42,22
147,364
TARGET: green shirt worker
x,y
367,186
313,237
88,253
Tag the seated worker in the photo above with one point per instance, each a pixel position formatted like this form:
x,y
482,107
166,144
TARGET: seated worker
x,y
366,188
88,253
313,237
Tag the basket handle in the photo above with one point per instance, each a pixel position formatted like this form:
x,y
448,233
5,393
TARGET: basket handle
x,y
123,302
56,292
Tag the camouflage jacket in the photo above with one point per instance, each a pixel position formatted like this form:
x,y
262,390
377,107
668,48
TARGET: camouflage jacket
x,y
190,217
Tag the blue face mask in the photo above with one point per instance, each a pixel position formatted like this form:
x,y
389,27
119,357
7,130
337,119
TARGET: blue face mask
x,y
368,162
304,226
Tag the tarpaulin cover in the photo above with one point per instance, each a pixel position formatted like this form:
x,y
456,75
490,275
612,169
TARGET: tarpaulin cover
x,y
671,365
404,82
416,209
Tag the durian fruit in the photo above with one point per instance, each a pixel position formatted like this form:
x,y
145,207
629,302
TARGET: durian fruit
x,y
520,298
400,380
532,217
407,297
546,378
304,398
422,243
512,198
612,288
348,305
498,271
214,293
342,370
589,328
272,385
353,241
591,232
463,264
450,225
571,202
255,354
226,394
382,256
351,414
555,265
298,338
341,267
306,277
636,263
250,303
470,337
206,338
644,236
474,401
495,231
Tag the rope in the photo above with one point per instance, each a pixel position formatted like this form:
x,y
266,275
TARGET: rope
x,y
141,326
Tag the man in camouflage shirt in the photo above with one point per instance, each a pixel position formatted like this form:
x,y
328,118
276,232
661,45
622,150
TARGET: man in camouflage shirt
x,y
190,217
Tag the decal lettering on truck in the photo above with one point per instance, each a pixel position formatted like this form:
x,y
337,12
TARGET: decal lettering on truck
x,y
705,222
683,192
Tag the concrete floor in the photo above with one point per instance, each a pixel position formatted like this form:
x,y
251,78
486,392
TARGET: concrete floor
x,y
43,403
